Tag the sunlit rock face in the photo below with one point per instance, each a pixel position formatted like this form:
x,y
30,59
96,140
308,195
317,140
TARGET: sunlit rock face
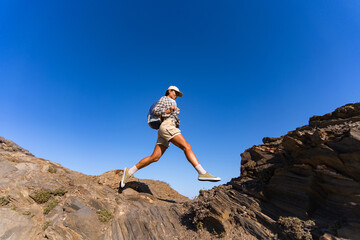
x,y
303,185
40,199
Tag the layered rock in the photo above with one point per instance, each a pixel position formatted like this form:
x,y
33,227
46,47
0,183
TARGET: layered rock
x,y
303,185
40,199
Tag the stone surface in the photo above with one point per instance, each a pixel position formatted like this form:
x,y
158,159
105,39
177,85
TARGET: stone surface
x,y
303,185
144,209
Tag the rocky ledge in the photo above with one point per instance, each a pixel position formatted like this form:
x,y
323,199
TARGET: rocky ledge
x,y
303,185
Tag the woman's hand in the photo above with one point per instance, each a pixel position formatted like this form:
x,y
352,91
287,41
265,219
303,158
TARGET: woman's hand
x,y
173,109
170,110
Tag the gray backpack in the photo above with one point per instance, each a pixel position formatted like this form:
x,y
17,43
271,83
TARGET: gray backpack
x,y
153,120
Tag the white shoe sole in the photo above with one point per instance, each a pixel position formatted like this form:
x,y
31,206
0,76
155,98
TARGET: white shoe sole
x,y
209,179
123,178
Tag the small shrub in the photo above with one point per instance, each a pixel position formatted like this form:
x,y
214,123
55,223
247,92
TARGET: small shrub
x,y
4,201
199,226
46,225
310,223
14,208
223,234
52,170
290,222
41,196
297,229
307,236
51,205
14,160
59,192
27,213
104,215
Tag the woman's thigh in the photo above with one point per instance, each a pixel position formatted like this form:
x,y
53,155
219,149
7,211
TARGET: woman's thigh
x,y
180,142
159,150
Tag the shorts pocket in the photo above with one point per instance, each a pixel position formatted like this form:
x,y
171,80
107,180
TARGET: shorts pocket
x,y
172,131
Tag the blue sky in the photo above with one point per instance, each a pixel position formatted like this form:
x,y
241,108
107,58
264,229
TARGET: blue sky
x,y
77,78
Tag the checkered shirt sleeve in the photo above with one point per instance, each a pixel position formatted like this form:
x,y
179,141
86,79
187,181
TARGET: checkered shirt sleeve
x,y
162,105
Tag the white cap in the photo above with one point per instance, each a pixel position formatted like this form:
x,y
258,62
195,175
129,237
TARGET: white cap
x,y
176,89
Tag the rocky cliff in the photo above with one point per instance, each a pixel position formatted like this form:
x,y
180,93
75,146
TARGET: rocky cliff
x,y
303,185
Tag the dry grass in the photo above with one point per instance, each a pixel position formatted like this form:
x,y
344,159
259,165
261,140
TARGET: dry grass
x,y
4,201
104,215
297,229
59,192
41,196
46,225
51,205
52,170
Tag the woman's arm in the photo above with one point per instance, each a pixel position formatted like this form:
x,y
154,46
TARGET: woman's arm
x,y
163,107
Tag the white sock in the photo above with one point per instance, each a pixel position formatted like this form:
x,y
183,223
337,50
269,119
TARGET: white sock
x,y
133,170
200,169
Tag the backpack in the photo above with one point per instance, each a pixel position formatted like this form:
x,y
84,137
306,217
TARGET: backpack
x,y
153,120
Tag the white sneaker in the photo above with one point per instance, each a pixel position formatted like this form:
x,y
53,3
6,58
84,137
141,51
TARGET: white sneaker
x,y
125,177
208,177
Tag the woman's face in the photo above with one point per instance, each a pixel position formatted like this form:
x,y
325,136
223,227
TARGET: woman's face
x,y
173,94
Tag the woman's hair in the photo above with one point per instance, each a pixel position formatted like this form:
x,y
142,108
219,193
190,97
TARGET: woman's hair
x,y
167,92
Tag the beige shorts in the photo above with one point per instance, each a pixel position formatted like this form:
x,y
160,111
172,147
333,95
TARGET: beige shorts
x,y
166,132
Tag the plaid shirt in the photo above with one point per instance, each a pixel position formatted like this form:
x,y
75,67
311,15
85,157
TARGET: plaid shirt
x,y
162,105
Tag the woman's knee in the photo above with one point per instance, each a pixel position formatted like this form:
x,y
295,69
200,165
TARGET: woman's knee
x,y
154,158
187,146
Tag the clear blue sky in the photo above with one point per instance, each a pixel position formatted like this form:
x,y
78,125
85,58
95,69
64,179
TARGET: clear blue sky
x,y
77,77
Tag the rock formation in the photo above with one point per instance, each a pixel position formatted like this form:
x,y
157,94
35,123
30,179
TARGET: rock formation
x,y
303,185
40,199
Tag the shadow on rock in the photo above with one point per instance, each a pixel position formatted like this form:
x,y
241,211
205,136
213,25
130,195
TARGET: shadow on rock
x,y
137,186
187,220
210,224
167,200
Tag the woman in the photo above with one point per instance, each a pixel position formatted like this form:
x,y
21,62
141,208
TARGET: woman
x,y
168,132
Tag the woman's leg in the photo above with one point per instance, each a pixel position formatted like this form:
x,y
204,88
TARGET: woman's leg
x,y
180,142
155,156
